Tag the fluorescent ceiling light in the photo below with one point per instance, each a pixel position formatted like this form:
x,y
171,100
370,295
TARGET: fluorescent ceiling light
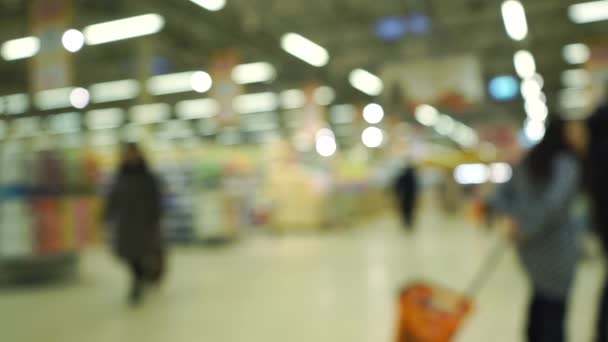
x,y
514,18
197,109
524,63
293,99
576,53
536,110
445,125
324,95
472,174
79,98
150,113
427,115
181,82
589,12
105,118
255,103
500,173
464,135
211,5
326,145
373,113
253,73
576,78
372,137
17,103
53,98
201,82
110,31
72,40
114,91
530,89
305,49
325,132
20,48
534,130
366,82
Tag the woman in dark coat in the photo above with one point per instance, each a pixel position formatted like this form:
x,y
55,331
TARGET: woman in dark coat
x,y
597,179
134,211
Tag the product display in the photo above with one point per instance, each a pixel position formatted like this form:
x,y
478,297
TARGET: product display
x,y
47,207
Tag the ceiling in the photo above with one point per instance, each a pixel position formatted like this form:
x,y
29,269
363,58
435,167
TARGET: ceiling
x,y
343,27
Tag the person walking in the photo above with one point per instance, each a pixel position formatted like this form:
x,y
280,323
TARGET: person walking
x,y
537,206
133,210
596,172
406,190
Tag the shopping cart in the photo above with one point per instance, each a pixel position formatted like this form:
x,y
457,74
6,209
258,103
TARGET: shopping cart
x,y
429,313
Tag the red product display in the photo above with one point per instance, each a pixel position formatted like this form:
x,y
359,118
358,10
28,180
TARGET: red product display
x,y
48,225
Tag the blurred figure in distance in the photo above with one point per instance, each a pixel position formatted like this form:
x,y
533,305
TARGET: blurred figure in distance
x,y
406,191
133,210
537,206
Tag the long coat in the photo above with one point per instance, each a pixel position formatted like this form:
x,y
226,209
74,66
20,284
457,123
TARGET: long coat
x,y
597,171
134,210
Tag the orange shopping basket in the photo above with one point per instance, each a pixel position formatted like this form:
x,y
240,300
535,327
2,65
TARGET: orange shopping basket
x,y
429,313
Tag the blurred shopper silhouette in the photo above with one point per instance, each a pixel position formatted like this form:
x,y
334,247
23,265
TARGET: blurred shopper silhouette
x,y
133,210
536,205
406,190
597,185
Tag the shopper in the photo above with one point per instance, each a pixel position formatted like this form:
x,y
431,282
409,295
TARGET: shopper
x,y
133,210
597,185
536,204
406,190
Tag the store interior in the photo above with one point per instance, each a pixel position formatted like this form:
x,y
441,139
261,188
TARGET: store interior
x,y
276,131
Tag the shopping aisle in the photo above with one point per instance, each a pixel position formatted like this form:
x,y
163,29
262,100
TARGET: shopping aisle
x,y
339,286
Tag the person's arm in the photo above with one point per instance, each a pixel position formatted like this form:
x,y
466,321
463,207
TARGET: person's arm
x,y
504,198
561,188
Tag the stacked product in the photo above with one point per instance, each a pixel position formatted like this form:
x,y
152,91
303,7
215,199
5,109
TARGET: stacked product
x,y
16,239
47,208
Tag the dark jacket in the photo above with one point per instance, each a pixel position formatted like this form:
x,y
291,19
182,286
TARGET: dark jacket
x,y
596,172
406,185
134,211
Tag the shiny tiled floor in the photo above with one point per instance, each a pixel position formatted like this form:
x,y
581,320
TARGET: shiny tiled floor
x,y
336,286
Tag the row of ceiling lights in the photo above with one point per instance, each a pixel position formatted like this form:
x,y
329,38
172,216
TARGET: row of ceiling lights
x,y
74,40
516,26
314,54
293,43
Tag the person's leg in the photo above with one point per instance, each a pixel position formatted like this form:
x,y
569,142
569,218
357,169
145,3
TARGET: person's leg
x,y
552,321
534,319
137,281
408,213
